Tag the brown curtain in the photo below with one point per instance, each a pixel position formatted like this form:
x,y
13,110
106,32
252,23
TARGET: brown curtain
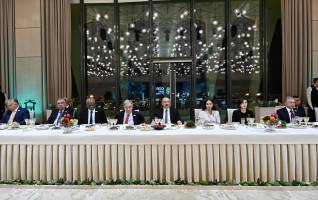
x,y
296,27
7,50
57,47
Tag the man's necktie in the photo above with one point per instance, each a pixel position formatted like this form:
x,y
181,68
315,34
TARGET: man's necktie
x,y
166,116
12,117
59,118
91,118
292,114
126,120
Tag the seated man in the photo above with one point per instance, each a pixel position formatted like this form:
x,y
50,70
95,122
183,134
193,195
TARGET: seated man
x,y
58,113
92,114
168,114
299,109
128,116
287,113
15,113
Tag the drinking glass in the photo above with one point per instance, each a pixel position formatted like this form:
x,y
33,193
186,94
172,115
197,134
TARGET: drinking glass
x,y
306,120
243,121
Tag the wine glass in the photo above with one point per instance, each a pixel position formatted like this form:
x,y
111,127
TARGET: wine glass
x,y
27,122
306,120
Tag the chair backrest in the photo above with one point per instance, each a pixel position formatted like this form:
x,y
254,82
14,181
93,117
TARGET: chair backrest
x,y
278,107
316,113
230,114
197,112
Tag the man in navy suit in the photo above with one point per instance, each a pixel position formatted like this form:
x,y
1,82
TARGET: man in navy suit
x,y
58,113
2,103
167,113
92,114
287,113
15,114
128,116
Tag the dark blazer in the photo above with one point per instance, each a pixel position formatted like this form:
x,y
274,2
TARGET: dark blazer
x,y
137,117
54,114
283,114
300,111
100,117
237,115
19,117
174,115
2,104
70,110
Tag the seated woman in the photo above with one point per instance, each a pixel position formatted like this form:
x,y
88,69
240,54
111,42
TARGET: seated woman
x,y
209,113
242,112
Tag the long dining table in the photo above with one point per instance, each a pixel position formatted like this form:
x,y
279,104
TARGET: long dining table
x,y
244,154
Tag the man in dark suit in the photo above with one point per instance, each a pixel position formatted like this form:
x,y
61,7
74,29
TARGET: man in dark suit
x,y
168,114
312,99
15,114
92,114
287,113
128,116
58,113
2,103
299,109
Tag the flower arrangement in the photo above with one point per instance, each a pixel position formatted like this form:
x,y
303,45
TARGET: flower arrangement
x,y
67,121
271,120
189,124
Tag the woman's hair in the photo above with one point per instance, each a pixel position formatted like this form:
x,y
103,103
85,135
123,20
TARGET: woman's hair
x,y
242,100
204,103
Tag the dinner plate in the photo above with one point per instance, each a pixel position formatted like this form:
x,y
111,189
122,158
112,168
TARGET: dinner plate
x,y
41,127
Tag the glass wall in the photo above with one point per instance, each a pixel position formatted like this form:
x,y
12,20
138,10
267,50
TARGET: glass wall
x,y
245,49
135,54
188,50
210,45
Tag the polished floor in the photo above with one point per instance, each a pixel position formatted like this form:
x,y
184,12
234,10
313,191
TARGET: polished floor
x,y
157,192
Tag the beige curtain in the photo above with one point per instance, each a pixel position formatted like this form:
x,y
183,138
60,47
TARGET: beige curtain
x,y
296,27
57,47
7,50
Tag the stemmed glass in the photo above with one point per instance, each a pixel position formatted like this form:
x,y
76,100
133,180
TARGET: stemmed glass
x,y
250,121
112,121
306,120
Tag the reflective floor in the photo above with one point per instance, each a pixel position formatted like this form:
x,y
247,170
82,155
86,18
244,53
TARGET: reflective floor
x,y
158,192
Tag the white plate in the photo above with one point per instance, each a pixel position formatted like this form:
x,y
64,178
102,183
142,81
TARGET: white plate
x,y
3,127
39,127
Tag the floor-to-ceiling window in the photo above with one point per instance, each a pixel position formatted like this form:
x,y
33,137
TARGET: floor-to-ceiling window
x,y
185,49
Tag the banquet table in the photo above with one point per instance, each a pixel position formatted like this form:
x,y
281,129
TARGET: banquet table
x,y
245,154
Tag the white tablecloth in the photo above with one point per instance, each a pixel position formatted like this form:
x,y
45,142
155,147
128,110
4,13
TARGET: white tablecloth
x,y
245,154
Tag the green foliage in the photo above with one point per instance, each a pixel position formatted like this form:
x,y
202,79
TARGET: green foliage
x,y
154,182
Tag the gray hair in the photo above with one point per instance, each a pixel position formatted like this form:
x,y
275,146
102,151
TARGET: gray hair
x,y
289,98
12,101
127,101
61,99
90,99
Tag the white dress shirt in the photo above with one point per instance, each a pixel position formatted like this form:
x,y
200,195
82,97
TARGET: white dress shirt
x,y
89,116
289,114
213,117
164,115
308,94
130,119
58,117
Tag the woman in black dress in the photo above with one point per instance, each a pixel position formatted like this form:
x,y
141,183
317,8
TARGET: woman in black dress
x,y
242,112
